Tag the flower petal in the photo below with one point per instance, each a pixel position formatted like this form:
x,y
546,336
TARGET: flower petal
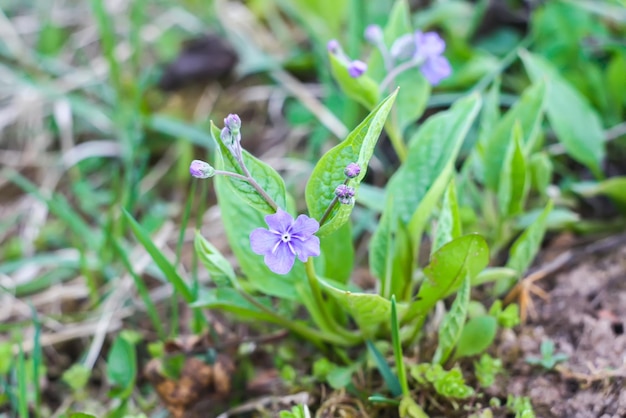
x,y
263,241
429,44
307,248
304,227
436,69
281,261
280,221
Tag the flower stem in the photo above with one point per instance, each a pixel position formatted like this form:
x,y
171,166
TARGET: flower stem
x,y
329,209
391,75
248,178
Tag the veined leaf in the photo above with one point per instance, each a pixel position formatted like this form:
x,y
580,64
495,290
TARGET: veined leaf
x,y
528,111
418,184
449,222
328,173
513,187
464,256
575,122
265,176
219,268
477,336
452,324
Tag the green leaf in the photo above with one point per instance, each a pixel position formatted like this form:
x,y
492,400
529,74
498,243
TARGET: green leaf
x,y
263,174
452,324
361,89
513,187
122,366
222,273
525,248
337,254
81,415
369,310
477,335
575,122
528,111
410,409
397,347
340,377
77,376
328,173
391,380
449,266
6,357
615,188
166,267
239,221
412,98
449,222
540,167
418,184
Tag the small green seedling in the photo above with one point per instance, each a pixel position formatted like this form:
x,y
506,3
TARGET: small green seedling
x,y
549,358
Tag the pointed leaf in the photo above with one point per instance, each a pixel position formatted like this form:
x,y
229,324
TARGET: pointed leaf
x,y
328,173
218,267
452,324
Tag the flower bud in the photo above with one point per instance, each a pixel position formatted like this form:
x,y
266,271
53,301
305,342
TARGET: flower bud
x,y
345,194
374,34
333,46
356,68
201,170
352,170
233,123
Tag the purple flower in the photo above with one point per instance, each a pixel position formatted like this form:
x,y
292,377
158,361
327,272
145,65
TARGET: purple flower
x,y
356,68
345,194
201,169
285,240
429,48
352,170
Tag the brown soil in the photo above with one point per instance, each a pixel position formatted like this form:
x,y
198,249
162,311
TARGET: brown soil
x,y
585,317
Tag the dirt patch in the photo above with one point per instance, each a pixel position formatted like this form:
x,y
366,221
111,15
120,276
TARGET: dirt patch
x,y
585,318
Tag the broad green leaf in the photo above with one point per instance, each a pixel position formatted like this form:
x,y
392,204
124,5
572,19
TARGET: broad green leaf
x,y
452,324
513,186
122,366
540,167
239,221
528,111
575,122
361,89
328,173
222,273
477,335
525,248
412,98
337,254
449,221
464,256
418,184
368,310
163,263
265,176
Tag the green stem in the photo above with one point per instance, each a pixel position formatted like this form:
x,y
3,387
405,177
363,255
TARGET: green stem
x,y
316,337
329,321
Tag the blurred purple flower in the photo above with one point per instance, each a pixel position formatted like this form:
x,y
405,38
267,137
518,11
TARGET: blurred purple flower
x,y
429,47
285,239
356,68
333,46
374,34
